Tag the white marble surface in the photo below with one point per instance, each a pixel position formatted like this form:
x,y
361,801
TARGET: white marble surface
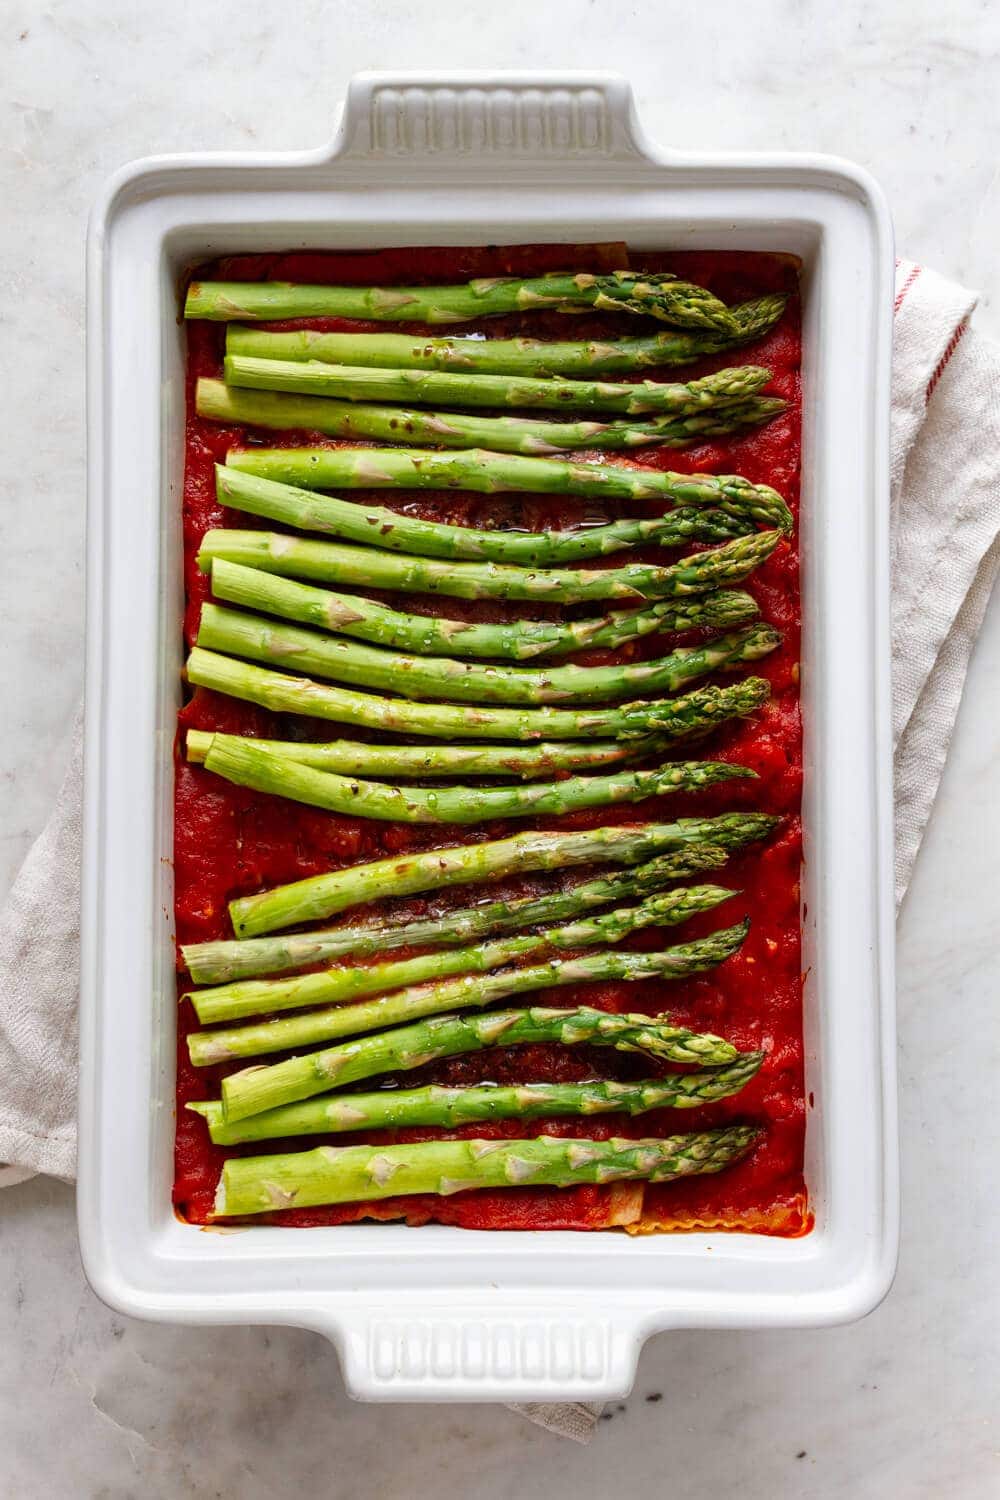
x,y
92,1405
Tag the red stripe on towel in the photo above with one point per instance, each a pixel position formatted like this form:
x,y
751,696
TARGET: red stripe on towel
x,y
942,363
911,277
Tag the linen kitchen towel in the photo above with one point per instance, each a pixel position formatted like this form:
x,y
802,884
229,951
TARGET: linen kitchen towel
x,y
945,554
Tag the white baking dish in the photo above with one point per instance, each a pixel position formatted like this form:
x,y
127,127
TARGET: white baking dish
x,y
438,1313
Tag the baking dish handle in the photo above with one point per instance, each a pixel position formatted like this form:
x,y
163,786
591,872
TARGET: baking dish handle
x,y
526,116
549,1353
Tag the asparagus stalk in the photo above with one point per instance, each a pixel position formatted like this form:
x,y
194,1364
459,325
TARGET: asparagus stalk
x,y
368,567
253,1090
724,389
233,1002
345,1174
272,408
450,680
517,356
221,962
467,991
351,758
322,896
390,530
661,296
492,473
670,717
517,640
246,765
449,1108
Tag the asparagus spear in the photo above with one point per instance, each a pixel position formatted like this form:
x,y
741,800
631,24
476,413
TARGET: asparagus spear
x,y
661,296
492,473
352,615
327,1174
518,356
450,680
467,991
724,389
393,1109
233,758
222,962
351,758
270,407
322,896
370,567
233,1002
253,1090
671,717
374,525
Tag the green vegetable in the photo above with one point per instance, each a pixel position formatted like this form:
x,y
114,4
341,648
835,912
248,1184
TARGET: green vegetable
x,y
449,1108
352,758
516,356
312,376
370,567
674,717
301,1179
429,635
394,531
450,680
659,296
270,407
247,765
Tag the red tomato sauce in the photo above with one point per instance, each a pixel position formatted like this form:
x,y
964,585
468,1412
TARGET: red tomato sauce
x,y
230,841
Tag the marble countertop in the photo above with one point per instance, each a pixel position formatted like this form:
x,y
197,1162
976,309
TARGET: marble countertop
x,y
94,1405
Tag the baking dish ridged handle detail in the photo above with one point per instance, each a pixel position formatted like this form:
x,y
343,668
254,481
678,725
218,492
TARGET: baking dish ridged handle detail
x,y
531,117
526,1355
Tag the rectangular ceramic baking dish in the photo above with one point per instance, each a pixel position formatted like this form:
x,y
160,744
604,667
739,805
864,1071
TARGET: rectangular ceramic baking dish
x,y
438,1313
